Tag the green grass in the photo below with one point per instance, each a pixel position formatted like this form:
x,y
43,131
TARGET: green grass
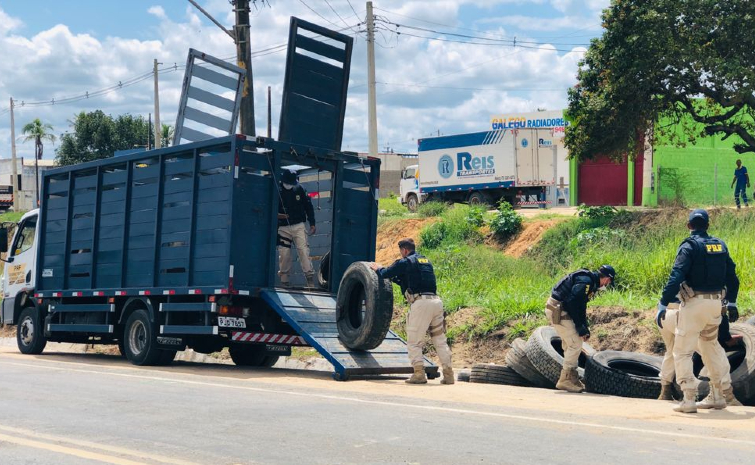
x,y
11,216
511,292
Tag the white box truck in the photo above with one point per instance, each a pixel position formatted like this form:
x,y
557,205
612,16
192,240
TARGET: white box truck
x,y
481,168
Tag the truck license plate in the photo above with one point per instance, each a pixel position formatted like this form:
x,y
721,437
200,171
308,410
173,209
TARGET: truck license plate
x,y
230,322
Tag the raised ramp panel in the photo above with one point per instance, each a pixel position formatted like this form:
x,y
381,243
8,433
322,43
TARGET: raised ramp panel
x,y
313,316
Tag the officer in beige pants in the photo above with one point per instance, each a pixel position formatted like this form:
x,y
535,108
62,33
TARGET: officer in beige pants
x,y
415,274
704,265
668,372
294,209
566,310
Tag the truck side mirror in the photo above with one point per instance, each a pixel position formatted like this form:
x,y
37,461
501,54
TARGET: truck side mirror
x,y
3,240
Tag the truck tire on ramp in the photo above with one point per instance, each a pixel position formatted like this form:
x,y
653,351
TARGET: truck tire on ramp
x,y
544,350
516,358
625,374
497,374
742,362
364,307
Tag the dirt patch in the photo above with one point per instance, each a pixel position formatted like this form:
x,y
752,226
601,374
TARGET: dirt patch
x,y
529,236
390,232
7,331
615,328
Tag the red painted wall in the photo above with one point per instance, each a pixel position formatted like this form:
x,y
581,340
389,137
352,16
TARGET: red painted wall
x,y
602,182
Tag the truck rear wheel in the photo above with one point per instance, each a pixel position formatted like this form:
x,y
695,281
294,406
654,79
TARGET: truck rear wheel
x,y
251,356
140,340
412,202
477,198
30,336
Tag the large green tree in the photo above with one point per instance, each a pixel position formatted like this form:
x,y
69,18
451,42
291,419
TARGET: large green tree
x,y
96,135
689,63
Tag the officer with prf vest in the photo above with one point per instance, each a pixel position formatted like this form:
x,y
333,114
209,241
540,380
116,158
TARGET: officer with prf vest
x,y
566,309
415,275
704,264
294,208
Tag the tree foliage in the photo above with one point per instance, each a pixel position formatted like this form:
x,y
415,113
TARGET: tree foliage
x,y
688,63
96,136
38,132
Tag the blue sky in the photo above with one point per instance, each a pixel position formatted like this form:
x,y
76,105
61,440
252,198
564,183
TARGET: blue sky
x,y
426,84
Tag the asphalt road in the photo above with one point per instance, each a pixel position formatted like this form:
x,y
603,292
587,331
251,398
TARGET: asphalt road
x,y
81,409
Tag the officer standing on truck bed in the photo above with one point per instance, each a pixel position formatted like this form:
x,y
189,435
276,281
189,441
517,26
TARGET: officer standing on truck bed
x,y
415,274
704,264
566,309
295,207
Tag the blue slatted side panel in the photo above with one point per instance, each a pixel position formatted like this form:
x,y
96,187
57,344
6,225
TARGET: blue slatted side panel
x,y
81,233
110,223
140,242
176,221
55,202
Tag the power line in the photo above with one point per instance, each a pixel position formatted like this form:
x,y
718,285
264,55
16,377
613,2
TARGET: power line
x,y
334,11
502,89
318,14
355,11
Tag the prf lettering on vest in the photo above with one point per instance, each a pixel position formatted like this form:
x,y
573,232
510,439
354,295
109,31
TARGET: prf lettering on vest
x,y
423,260
714,248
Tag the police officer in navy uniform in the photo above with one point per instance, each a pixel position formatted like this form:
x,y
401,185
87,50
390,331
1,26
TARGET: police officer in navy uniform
x,y
566,310
704,264
294,208
415,275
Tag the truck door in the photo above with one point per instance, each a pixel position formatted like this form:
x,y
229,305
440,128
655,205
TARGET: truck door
x,y
409,183
526,165
19,274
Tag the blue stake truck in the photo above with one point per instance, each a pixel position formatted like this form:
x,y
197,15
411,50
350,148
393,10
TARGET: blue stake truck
x,y
172,248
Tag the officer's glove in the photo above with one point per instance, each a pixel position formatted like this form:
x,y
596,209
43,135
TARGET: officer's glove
x,y
661,315
685,292
731,307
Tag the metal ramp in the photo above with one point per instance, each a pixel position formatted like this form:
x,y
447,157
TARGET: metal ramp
x,y
313,316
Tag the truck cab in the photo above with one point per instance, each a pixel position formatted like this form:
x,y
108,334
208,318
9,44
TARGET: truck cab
x,y
19,274
409,192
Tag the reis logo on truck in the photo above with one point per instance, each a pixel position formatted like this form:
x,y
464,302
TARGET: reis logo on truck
x,y
464,163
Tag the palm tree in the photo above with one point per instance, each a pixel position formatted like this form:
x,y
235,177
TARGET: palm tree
x,y
167,135
38,132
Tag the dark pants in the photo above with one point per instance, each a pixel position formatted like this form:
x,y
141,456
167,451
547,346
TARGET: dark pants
x,y
740,190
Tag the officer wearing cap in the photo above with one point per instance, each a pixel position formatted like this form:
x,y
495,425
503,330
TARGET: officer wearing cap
x,y
295,207
704,265
566,309
415,275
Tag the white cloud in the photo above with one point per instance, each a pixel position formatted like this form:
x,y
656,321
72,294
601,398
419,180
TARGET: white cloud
x,y
437,79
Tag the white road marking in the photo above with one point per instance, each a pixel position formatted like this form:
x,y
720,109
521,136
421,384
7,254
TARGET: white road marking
x,y
402,405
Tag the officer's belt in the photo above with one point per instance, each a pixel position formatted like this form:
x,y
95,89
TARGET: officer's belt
x,y
424,295
557,306
708,295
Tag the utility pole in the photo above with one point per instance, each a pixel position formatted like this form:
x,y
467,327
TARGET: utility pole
x,y
37,157
371,101
244,58
14,181
269,114
158,128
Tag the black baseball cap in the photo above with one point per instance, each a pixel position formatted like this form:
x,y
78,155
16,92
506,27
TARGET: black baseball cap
x,y
699,213
607,271
288,176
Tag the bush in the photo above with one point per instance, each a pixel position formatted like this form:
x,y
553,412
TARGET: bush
x,y
453,228
597,213
476,216
601,235
506,221
432,208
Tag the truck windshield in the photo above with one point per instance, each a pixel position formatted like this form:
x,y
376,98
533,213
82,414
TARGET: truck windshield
x,y
26,236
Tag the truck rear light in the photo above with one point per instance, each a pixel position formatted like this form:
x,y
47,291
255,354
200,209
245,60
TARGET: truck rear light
x,y
228,310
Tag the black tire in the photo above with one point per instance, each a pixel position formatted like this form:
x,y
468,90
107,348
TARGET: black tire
x,y
251,356
412,202
140,339
742,363
497,374
477,198
323,273
544,350
517,359
30,335
463,375
364,307
625,374
751,321
121,349
166,357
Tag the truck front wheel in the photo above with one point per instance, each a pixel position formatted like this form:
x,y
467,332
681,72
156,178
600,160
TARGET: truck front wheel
x,y
412,202
30,336
140,340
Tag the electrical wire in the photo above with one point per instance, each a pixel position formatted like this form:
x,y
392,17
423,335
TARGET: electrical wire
x,y
334,11
318,14
355,11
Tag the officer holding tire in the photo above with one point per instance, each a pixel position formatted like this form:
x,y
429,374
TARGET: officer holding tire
x,y
415,275
566,309
703,263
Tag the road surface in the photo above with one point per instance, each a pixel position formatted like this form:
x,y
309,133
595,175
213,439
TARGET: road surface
x,y
64,408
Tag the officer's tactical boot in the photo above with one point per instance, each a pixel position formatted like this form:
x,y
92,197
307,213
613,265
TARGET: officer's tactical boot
x,y
667,392
448,376
688,404
714,400
419,376
575,377
310,282
731,400
566,383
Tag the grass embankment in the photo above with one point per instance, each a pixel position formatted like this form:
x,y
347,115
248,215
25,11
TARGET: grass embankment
x,y
510,292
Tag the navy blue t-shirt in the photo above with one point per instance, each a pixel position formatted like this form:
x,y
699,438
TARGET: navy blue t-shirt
x,y
741,175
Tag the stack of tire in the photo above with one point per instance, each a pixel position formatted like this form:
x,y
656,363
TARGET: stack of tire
x,y
538,361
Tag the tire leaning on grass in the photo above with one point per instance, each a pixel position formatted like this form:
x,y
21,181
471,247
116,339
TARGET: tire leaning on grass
x,y
497,374
624,374
517,359
364,307
544,350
